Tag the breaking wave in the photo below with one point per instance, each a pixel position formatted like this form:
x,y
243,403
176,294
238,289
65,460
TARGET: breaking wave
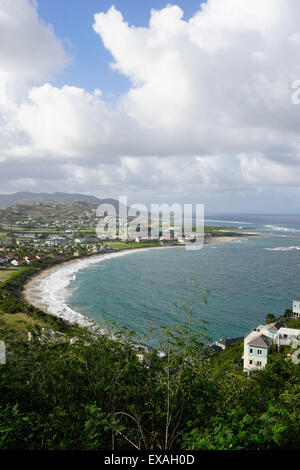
x,y
277,228
53,287
283,248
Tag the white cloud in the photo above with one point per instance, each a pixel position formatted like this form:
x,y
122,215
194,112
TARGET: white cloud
x,y
65,122
258,170
29,49
209,108
29,54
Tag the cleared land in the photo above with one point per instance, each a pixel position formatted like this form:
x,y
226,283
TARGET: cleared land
x,y
6,273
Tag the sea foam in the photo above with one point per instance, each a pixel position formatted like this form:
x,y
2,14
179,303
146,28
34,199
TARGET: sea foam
x,y
53,287
278,228
283,248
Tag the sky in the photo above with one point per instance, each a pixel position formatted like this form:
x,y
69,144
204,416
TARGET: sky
x,y
163,102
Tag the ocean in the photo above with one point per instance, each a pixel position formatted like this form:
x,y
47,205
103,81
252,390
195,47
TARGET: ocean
x,y
246,279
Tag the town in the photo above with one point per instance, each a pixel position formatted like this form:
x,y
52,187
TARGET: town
x,y
45,232
32,232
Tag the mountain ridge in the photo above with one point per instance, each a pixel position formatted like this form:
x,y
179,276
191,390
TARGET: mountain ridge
x,y
28,197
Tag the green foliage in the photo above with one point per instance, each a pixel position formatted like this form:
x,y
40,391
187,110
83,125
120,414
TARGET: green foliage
x,y
270,318
230,358
88,392
288,313
294,323
258,413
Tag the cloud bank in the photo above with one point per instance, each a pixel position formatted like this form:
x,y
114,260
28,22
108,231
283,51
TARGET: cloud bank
x,y
209,108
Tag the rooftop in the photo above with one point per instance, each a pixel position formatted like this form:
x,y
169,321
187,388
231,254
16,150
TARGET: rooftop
x,y
289,331
228,341
261,341
270,326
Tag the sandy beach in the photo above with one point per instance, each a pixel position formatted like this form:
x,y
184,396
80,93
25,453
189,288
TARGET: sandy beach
x,y
49,292
48,289
223,239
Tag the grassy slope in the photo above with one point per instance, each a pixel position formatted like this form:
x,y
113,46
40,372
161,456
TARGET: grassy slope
x,y
22,322
232,354
7,273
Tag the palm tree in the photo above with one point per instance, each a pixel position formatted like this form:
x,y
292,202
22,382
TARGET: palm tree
x,y
270,318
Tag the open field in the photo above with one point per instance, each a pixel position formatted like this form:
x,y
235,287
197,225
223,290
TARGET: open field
x,y
6,273
20,322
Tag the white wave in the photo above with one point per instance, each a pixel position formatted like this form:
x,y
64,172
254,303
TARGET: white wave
x,y
229,222
283,248
277,228
251,233
284,236
53,286
244,233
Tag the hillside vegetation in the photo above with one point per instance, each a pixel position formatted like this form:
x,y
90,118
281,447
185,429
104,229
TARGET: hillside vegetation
x,y
27,197
80,391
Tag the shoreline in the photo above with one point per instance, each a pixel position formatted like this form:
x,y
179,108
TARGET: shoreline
x,y
47,289
224,239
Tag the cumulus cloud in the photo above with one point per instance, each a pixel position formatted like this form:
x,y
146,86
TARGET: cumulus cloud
x,y
209,107
29,54
220,81
29,49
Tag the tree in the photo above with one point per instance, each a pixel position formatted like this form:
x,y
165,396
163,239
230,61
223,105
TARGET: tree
x,y
288,313
171,377
270,318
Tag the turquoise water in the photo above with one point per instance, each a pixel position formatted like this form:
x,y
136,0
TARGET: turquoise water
x,y
246,280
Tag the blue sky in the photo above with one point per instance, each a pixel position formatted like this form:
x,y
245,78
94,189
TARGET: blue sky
x,y
72,21
197,110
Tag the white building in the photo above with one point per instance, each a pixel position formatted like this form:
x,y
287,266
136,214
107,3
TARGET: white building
x,y
296,307
287,336
18,262
223,343
256,346
259,342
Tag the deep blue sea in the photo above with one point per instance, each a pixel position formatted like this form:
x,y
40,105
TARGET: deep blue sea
x,y
246,279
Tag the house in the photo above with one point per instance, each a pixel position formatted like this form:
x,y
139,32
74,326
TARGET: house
x,y
18,262
209,350
223,343
256,348
262,340
270,330
287,336
296,307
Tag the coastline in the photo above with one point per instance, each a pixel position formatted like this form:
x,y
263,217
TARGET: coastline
x,y
47,290
223,239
